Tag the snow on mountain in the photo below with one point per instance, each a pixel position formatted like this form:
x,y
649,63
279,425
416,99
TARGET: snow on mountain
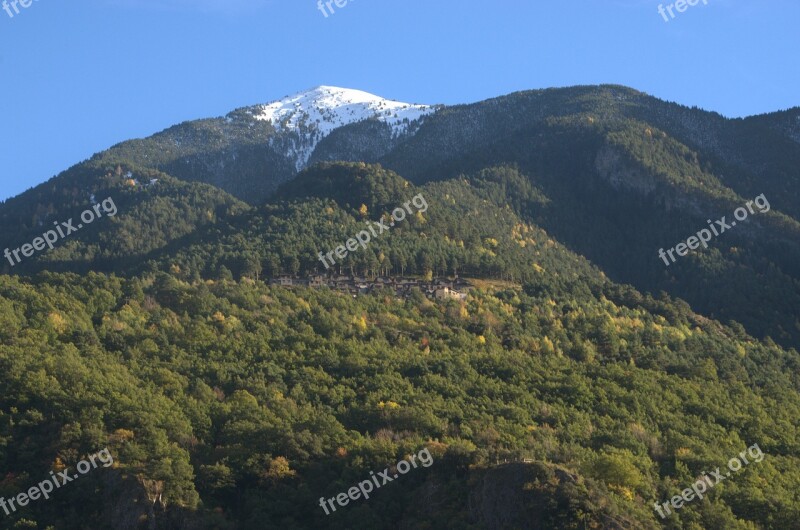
x,y
314,114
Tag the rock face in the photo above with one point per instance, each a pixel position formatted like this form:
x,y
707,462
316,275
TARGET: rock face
x,y
611,165
527,496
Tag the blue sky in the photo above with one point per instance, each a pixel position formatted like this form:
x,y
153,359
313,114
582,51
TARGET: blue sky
x,y
82,75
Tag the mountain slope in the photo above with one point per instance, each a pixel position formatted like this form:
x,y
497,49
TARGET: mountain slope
x,y
250,402
622,188
625,175
152,210
252,150
552,397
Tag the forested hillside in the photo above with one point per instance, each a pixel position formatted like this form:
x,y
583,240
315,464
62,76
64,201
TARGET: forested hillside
x,y
624,174
153,210
580,381
627,175
251,402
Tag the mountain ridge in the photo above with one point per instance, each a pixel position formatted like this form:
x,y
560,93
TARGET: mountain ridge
x,y
624,174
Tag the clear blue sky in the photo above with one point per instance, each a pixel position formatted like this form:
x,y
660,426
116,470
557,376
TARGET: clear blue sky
x,y
81,75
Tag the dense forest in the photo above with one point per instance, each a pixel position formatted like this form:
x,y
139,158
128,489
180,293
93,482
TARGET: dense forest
x,y
578,383
250,402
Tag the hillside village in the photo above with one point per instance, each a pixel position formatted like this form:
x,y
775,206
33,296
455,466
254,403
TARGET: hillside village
x,y
438,288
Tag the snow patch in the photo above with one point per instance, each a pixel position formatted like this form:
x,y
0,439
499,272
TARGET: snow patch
x,y
316,113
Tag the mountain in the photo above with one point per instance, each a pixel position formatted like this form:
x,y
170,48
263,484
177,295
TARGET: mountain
x,y
579,381
627,175
252,150
624,174
315,114
550,398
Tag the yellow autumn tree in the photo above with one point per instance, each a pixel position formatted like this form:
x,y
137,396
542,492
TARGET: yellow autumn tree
x,y
360,323
58,322
279,468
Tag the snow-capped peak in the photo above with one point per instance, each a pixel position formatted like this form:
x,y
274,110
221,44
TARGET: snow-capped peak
x,y
315,113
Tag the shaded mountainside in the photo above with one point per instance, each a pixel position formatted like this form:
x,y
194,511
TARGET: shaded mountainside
x,y
153,210
621,188
237,154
